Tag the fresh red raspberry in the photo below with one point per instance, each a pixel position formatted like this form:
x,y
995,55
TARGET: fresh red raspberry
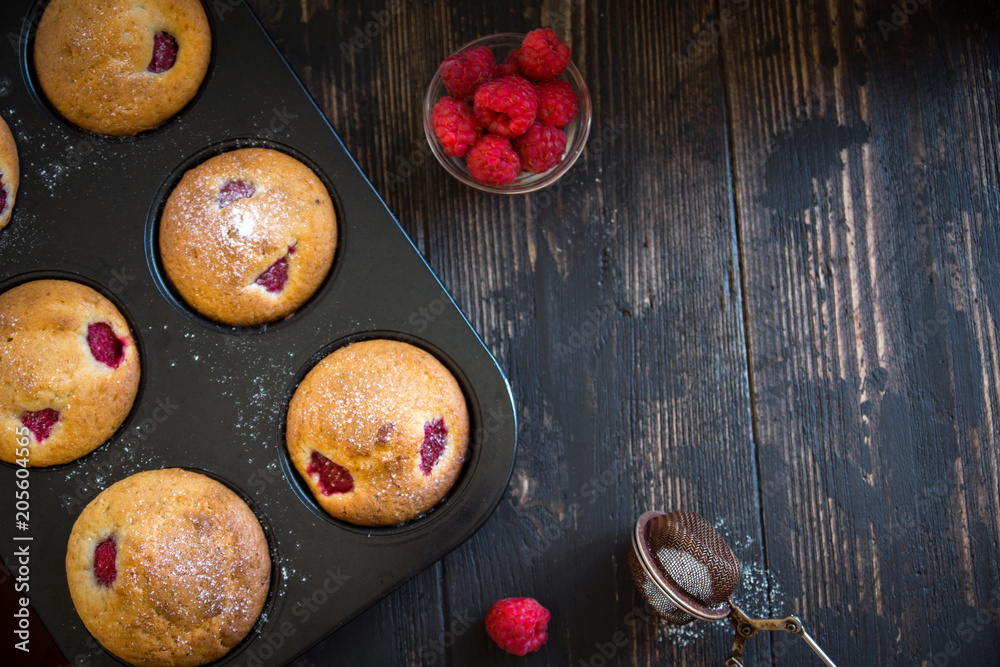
x,y
463,72
332,478
164,53
543,55
518,625
105,569
105,346
234,191
40,423
540,148
509,66
455,126
435,437
507,106
557,103
493,161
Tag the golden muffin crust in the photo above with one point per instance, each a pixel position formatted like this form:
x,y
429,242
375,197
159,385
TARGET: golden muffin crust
x,y
389,415
10,173
58,355
237,225
93,57
185,577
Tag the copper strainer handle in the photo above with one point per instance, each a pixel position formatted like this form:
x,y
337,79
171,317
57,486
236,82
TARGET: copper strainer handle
x,y
747,627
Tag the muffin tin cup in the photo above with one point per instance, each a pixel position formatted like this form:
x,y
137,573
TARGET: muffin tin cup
x,y
213,398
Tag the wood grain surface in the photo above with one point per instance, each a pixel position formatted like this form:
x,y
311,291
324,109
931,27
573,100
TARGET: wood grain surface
x,y
769,292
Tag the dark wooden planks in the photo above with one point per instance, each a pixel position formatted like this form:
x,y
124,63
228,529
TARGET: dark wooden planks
x,y
613,302
866,168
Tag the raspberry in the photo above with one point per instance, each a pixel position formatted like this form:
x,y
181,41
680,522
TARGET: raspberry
x,y
543,55
274,279
557,103
3,196
234,191
455,126
507,106
435,433
106,347
463,72
40,423
332,477
104,562
492,161
540,148
518,625
509,67
164,53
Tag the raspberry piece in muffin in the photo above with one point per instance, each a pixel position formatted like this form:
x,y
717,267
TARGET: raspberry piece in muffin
x,y
332,477
106,347
105,555
435,437
164,53
274,279
40,423
234,191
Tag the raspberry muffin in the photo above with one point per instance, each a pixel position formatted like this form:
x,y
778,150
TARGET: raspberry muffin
x,y
379,430
120,67
10,173
69,370
168,567
248,236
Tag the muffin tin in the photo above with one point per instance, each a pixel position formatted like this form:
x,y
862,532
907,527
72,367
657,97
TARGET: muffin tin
x,y
213,398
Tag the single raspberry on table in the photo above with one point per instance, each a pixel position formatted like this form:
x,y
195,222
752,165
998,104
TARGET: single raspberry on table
x,y
543,55
557,103
506,106
455,126
518,625
492,161
540,148
509,66
463,72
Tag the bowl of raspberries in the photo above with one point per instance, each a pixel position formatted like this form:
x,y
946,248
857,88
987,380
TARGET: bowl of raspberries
x,y
508,113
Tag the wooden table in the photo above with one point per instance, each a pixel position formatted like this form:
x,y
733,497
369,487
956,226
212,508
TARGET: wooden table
x,y
769,292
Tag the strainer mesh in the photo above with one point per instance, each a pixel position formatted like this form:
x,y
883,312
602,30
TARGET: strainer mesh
x,y
693,558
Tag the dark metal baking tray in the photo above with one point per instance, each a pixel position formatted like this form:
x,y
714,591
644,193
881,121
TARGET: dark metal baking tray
x,y
213,398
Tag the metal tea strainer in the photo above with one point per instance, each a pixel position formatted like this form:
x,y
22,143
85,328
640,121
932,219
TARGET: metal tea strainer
x,y
685,570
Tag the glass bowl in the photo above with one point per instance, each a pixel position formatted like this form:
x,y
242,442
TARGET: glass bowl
x,y
576,132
